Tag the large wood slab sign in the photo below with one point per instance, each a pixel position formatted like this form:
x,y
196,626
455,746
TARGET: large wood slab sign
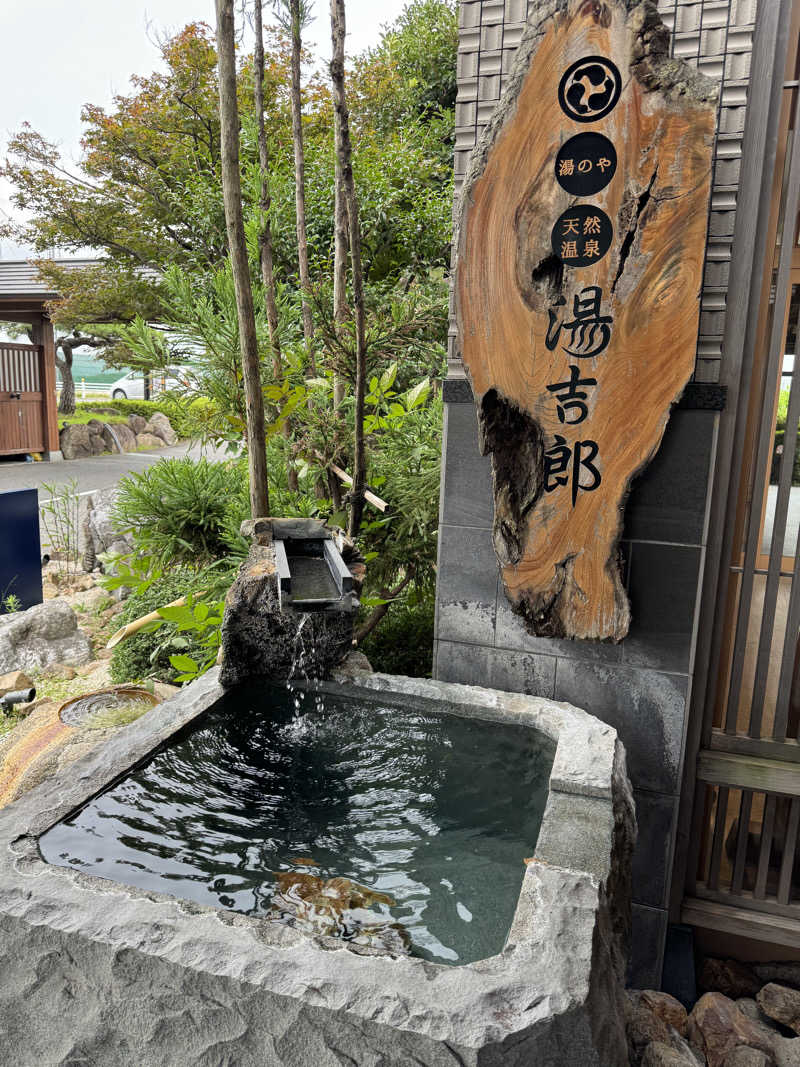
x,y
580,244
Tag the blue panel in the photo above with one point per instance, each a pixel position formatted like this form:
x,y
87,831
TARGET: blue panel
x,y
20,550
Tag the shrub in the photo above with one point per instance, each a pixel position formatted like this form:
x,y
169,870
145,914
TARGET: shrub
x,y
403,642
183,510
145,654
175,408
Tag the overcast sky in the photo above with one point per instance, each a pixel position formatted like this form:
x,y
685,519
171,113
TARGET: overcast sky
x,y
61,54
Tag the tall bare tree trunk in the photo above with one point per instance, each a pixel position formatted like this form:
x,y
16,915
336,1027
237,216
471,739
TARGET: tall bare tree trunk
x,y
232,197
264,202
300,182
344,155
340,309
265,227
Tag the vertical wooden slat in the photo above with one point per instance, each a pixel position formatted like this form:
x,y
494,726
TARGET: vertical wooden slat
x,y
767,829
745,808
774,364
789,848
719,837
766,635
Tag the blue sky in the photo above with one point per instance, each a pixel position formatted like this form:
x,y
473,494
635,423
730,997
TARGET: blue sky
x,y
71,52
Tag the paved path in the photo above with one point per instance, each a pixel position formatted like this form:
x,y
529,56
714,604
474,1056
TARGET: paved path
x,y
99,472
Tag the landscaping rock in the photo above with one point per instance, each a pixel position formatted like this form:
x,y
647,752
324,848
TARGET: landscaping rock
x,y
100,529
74,442
137,424
12,682
667,1008
90,668
642,1027
782,1004
749,1007
260,639
41,636
159,425
62,672
97,444
742,1056
729,977
125,437
657,1054
786,1051
717,1026
148,440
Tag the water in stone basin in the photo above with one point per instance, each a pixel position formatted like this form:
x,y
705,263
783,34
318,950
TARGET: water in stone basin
x,y
387,826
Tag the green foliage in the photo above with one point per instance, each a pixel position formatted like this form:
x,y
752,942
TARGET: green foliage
x,y
403,643
182,510
412,73
147,653
178,410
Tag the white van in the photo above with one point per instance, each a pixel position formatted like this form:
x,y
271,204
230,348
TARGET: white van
x,y
131,385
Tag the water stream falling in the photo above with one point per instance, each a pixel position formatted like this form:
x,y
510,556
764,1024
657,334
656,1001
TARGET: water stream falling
x,y
302,685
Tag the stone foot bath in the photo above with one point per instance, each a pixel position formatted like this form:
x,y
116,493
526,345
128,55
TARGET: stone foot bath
x,y
381,871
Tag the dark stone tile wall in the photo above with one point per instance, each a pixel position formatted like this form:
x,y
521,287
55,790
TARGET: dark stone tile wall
x,y
640,686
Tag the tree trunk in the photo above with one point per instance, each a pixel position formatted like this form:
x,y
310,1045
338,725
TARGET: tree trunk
x,y
264,202
344,155
340,308
66,402
232,197
265,227
300,183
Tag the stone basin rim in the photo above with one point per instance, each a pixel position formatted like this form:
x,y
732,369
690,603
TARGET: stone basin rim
x,y
533,977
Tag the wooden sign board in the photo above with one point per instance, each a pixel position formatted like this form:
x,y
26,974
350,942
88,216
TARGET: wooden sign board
x,y
580,249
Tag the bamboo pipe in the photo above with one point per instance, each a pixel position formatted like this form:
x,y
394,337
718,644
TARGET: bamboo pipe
x,y
137,624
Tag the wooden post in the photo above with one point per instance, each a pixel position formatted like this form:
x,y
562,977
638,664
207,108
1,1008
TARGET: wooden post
x,y
580,249
43,335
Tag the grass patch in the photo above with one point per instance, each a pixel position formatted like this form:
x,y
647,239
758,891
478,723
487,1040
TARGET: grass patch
x,y
8,720
81,418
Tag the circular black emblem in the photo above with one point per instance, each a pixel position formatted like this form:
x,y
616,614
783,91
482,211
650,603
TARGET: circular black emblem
x,y
586,164
582,236
589,89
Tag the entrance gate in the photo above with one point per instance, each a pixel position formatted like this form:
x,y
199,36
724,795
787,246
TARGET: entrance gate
x,y
22,427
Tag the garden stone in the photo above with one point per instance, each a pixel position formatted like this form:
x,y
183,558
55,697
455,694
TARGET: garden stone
x,y
750,1008
62,672
717,1026
159,425
260,639
14,681
126,438
786,1051
729,977
643,1027
657,1054
148,441
743,1056
782,1004
137,423
99,532
74,442
666,1007
41,636
97,444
